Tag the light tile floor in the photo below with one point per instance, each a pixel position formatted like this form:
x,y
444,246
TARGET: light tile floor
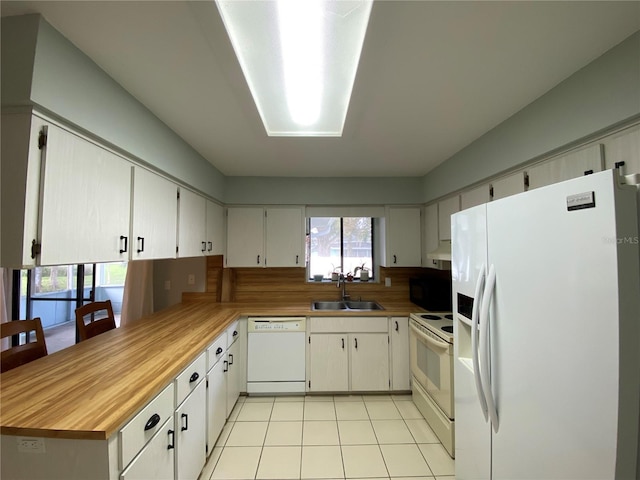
x,y
327,437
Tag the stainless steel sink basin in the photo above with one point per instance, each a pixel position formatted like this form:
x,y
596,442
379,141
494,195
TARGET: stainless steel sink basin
x,y
345,305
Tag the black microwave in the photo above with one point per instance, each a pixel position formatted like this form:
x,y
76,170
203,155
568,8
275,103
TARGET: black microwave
x,y
431,293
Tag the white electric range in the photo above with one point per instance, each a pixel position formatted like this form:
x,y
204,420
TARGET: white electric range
x,y
431,353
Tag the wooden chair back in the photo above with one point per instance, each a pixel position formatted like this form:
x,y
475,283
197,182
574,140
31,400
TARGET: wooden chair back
x,y
31,350
90,324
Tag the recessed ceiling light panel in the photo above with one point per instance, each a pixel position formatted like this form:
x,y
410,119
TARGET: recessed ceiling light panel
x,y
300,59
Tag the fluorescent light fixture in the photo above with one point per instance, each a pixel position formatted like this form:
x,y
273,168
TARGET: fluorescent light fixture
x,y
300,59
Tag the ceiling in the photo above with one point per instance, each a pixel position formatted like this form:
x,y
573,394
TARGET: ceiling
x,y
433,76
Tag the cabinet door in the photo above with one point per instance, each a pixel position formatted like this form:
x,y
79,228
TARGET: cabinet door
x,y
474,197
446,208
191,434
284,237
400,370
573,165
233,376
86,201
215,229
191,224
624,147
369,361
156,459
216,402
155,216
507,186
245,237
404,240
431,239
328,363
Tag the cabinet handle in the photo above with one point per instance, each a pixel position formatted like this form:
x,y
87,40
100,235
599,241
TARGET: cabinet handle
x,y
185,424
231,359
356,343
172,441
204,246
195,376
588,172
297,259
124,250
210,246
343,343
152,422
397,326
140,244
235,333
219,351
258,260
226,367
395,259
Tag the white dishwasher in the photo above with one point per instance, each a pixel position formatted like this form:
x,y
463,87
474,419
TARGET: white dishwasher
x,y
276,355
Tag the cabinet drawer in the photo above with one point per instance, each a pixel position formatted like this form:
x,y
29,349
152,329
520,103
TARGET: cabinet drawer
x,y
133,435
348,324
190,378
216,350
233,332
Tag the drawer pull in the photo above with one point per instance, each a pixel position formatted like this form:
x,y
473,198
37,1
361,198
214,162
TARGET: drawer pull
x,y
152,422
185,424
230,359
219,351
397,326
194,376
235,333
226,367
172,441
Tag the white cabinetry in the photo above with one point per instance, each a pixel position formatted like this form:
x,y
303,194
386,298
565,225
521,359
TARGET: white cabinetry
x,y
191,434
259,237
572,165
476,196
92,186
403,237
446,208
216,397
348,354
623,147
400,368
234,366
191,224
155,213
507,186
431,240
156,460
215,229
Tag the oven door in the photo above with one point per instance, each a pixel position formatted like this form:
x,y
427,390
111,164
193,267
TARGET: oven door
x,y
432,366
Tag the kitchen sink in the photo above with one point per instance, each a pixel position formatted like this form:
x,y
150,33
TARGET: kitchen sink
x,y
346,305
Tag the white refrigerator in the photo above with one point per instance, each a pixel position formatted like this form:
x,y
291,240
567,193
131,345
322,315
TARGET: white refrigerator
x,y
546,292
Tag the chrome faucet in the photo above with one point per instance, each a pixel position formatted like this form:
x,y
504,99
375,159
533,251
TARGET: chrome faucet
x,y
342,283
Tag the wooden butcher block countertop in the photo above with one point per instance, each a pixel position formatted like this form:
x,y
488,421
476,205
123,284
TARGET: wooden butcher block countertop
x,y
90,390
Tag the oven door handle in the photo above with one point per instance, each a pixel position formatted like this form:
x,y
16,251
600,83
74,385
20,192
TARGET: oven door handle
x,y
489,290
432,341
474,341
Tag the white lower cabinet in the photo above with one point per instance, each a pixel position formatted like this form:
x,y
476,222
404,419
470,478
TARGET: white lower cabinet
x,y
369,362
190,435
233,376
216,402
400,368
328,363
156,459
348,354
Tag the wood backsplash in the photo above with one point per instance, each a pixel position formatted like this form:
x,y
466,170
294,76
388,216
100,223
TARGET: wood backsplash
x,y
282,284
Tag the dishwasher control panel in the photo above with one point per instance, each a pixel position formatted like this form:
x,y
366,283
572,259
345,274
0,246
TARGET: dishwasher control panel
x,y
268,325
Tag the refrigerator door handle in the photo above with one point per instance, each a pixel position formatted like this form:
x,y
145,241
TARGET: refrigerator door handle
x,y
489,290
474,341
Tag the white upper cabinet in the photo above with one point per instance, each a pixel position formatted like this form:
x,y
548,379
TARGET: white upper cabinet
x,y
624,147
284,237
265,237
86,200
191,224
403,237
431,239
477,196
215,229
446,208
245,237
21,159
155,214
507,186
572,165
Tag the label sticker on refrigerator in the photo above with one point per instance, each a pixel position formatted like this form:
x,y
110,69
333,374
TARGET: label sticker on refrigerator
x,y
580,201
